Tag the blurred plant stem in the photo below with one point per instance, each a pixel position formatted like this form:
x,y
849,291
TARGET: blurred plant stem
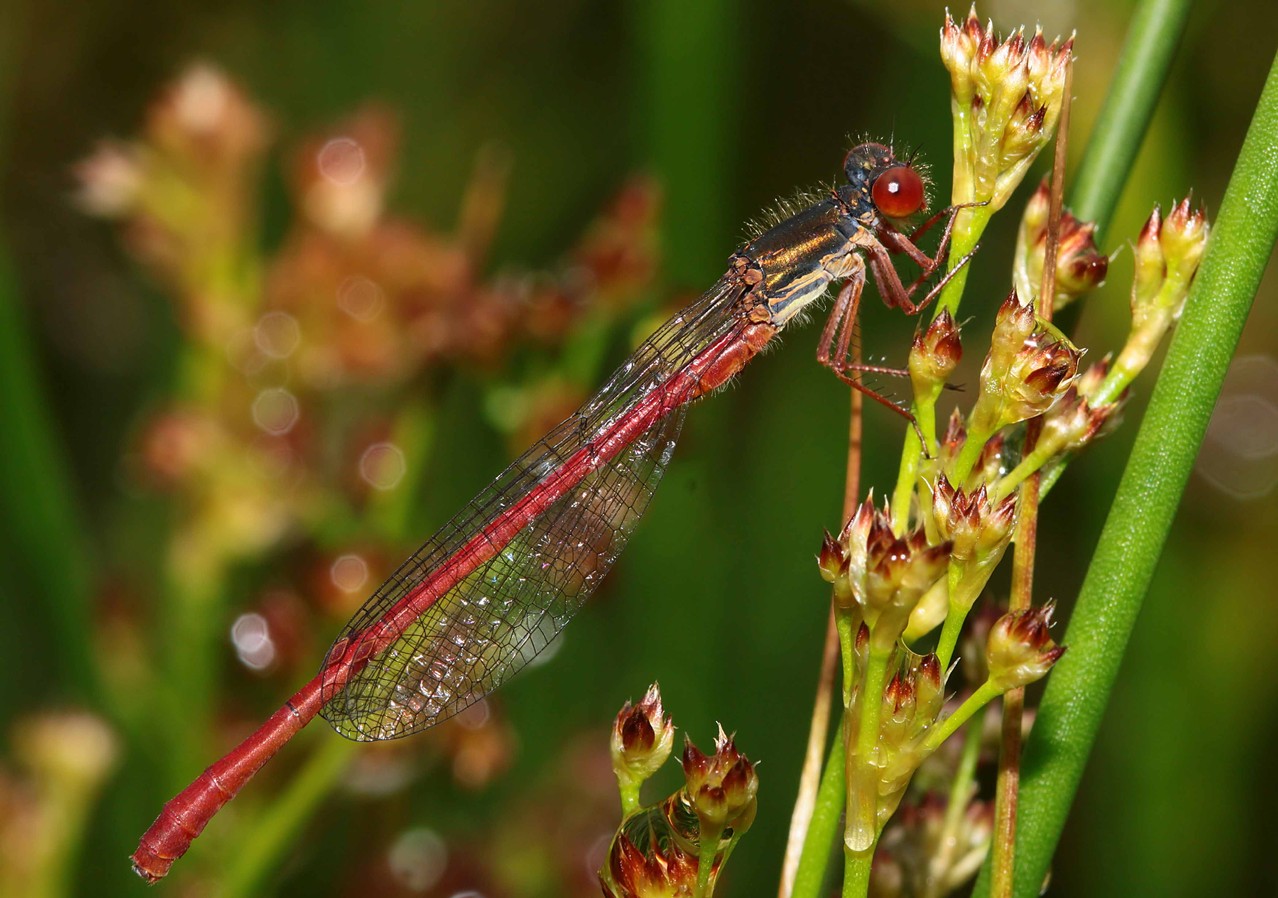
x,y
262,845
43,540
1142,512
1152,39
689,68
44,545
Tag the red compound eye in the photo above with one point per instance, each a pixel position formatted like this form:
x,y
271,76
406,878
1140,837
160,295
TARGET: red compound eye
x,y
898,192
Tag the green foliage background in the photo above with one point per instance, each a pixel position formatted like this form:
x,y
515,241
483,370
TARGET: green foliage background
x,y
731,104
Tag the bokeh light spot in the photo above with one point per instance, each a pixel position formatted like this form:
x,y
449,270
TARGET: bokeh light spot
x,y
341,161
383,466
360,297
275,410
251,636
277,334
417,859
1240,451
349,573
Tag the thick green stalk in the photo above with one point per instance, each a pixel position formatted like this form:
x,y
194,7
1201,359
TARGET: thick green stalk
x,y
1144,507
1152,39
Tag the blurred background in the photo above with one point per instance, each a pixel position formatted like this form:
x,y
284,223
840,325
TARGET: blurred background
x,y
342,261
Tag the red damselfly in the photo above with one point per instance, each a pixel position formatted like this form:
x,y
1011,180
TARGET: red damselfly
x,y
495,585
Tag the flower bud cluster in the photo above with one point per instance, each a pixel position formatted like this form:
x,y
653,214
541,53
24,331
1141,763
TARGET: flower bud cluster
x,y
1080,265
1029,367
678,846
1020,650
656,871
1005,100
909,705
722,788
1168,254
881,576
934,355
642,739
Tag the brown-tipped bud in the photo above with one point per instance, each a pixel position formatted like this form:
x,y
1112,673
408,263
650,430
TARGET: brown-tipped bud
x,y
1020,380
888,574
1080,266
1014,324
1148,251
980,532
1073,423
1006,99
663,870
929,686
974,524
722,787
954,438
832,560
1167,257
1020,649
1039,375
1184,240
642,739
934,356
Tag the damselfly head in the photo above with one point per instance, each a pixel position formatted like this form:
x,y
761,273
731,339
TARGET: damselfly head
x,y
895,187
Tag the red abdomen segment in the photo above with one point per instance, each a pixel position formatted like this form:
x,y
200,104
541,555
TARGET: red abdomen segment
x,y
186,814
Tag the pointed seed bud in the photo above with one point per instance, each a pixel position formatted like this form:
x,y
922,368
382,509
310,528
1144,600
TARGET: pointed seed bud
x,y
1020,649
642,739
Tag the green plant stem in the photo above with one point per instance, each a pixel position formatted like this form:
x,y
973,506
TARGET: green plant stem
x,y
907,474
707,851
862,823
823,828
1145,505
969,225
951,630
984,694
689,85
856,873
962,787
1143,64
276,826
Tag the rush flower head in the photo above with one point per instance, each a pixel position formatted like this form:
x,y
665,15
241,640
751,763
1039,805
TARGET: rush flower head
x,y
1020,649
1167,258
976,526
1074,422
1005,100
934,356
721,787
642,739
1080,265
660,872
1168,254
1028,368
888,574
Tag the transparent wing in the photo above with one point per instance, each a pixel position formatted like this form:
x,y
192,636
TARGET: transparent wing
x,y
509,606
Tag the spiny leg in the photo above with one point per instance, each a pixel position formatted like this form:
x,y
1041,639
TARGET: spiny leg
x,y
893,291
836,341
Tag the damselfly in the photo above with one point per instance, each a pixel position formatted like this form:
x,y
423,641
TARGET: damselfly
x,y
495,585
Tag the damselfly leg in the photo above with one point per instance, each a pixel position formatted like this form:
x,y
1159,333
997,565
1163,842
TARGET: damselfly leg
x,y
834,350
